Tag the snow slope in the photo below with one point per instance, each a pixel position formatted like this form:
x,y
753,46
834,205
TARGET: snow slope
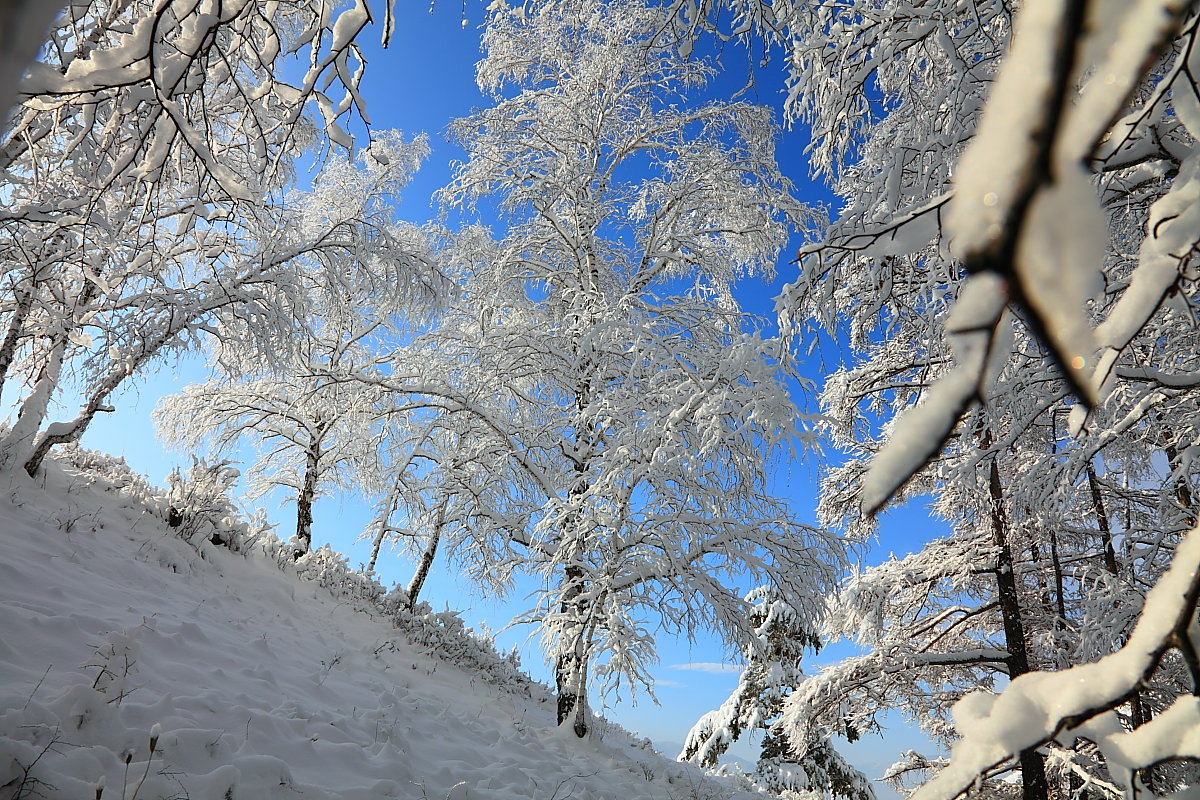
x,y
258,683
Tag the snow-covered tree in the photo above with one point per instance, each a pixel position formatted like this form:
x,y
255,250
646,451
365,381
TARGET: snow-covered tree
x,y
1134,125
416,445
772,673
621,407
288,395
1014,258
141,175
308,430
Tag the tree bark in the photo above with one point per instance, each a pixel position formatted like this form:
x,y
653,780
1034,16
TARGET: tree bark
x,y
570,665
1034,785
64,432
384,519
1138,712
1183,490
18,443
304,502
570,678
418,580
16,327
375,547
1110,553
1060,603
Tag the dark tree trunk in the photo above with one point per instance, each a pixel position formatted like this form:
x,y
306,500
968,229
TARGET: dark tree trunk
x,y
304,503
1059,588
1033,768
1139,714
1110,553
1183,489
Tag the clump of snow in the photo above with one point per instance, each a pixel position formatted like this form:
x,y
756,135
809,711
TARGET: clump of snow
x,y
1061,273
135,662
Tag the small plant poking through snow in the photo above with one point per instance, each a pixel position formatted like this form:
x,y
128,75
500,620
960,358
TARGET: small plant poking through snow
x,y
200,507
154,733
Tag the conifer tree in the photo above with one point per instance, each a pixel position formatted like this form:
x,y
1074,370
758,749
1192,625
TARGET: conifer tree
x,y
787,767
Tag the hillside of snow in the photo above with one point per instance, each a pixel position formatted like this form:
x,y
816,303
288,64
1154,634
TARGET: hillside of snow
x,y
141,660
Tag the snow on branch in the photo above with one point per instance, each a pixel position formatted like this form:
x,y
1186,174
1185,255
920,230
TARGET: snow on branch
x,y
975,333
1041,707
1026,213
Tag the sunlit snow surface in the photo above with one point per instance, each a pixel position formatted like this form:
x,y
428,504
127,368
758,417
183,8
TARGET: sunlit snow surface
x,y
263,685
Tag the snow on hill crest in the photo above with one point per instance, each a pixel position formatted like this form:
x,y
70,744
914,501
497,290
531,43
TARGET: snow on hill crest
x,y
139,663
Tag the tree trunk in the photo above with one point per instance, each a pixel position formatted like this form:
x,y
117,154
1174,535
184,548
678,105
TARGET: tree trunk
x,y
16,327
1183,489
304,503
64,432
570,677
1110,553
418,580
570,665
1033,768
375,546
1139,714
1059,587
17,445
383,519
423,566
583,654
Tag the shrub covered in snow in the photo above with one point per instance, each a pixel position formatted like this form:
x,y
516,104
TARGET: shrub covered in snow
x,y
198,506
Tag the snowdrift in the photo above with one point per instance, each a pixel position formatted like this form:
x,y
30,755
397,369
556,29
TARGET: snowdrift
x,y
139,663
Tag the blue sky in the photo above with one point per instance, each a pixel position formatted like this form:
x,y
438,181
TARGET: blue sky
x,y
422,82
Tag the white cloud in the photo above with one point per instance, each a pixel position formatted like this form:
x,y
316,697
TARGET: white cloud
x,y
710,667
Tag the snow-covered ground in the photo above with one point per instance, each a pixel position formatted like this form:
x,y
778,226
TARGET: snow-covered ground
x,y
256,682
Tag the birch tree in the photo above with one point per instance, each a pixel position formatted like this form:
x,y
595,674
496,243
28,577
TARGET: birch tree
x,y
307,430
599,353
140,171
278,383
